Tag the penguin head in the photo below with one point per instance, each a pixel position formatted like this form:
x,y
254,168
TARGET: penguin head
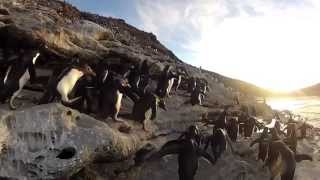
x,y
274,134
35,58
88,70
193,131
123,82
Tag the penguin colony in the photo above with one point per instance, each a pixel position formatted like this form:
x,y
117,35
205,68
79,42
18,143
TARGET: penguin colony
x,y
99,89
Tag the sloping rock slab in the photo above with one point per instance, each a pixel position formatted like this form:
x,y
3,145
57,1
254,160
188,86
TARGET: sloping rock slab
x,y
32,139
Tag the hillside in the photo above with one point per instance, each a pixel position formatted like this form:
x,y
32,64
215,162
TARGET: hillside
x,y
34,135
310,91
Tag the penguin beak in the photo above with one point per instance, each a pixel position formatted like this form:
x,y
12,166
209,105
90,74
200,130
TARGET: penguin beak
x,y
93,74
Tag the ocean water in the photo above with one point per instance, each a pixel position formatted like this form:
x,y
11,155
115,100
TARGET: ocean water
x,y
307,106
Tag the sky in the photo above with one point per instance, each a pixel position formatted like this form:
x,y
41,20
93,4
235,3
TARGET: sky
x,y
271,43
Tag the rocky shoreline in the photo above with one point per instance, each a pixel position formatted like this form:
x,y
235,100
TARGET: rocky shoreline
x,y
33,136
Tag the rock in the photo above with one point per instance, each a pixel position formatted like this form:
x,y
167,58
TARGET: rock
x,y
51,141
4,12
6,20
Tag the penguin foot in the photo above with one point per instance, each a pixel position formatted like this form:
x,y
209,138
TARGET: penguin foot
x,y
145,129
15,106
22,97
117,120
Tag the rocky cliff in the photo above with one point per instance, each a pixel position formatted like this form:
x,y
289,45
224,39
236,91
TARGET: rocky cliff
x,y
34,136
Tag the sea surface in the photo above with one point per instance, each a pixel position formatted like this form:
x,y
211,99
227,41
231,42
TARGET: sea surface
x,y
306,106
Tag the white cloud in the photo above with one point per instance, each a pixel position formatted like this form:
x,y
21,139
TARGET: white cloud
x,y
270,43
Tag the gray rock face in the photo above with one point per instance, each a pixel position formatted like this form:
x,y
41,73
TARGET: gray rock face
x,y
32,139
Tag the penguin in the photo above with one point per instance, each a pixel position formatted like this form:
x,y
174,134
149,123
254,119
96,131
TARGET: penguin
x,y
303,130
144,106
218,141
144,76
165,82
111,95
281,159
192,84
192,132
242,120
50,92
102,71
263,144
221,121
17,76
133,76
292,141
188,153
181,72
86,88
232,128
291,126
177,82
249,126
203,85
197,96
67,83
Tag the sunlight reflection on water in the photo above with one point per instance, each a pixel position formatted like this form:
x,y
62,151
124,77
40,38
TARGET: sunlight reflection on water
x,y
308,106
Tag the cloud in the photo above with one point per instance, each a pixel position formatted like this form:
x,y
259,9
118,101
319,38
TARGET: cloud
x,y
271,43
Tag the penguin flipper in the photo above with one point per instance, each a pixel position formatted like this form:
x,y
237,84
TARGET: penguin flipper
x,y
229,143
207,156
71,101
301,157
13,97
154,110
11,103
171,147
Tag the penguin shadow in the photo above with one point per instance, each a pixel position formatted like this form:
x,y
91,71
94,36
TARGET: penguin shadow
x,y
127,124
132,122
184,94
127,116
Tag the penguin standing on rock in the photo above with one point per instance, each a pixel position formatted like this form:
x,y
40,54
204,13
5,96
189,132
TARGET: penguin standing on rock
x,y
165,82
145,105
192,84
17,76
281,159
263,144
65,83
218,141
111,94
232,128
68,82
197,96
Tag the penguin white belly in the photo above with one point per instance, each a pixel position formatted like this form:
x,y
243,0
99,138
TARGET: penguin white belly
x,y
22,82
7,74
171,81
24,79
67,83
118,100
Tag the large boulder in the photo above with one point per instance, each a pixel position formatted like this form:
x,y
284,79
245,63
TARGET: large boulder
x,y
32,139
